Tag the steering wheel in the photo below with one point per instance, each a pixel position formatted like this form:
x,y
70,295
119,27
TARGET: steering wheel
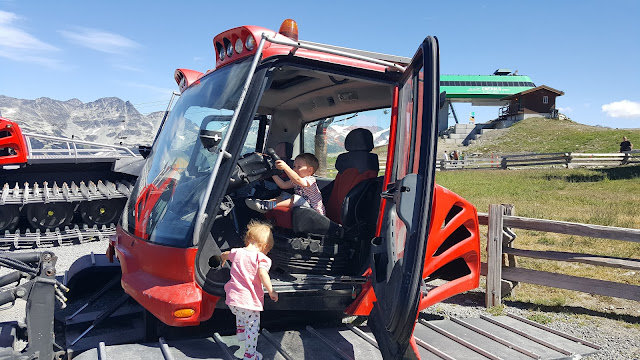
x,y
254,167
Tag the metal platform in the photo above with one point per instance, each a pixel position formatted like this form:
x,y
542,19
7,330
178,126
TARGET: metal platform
x,y
487,337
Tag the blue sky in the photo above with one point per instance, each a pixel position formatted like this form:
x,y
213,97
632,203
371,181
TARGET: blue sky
x,y
129,49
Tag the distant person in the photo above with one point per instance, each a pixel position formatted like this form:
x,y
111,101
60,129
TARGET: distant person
x,y
456,156
445,156
625,145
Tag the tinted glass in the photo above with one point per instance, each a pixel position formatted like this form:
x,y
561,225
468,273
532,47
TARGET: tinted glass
x,y
168,193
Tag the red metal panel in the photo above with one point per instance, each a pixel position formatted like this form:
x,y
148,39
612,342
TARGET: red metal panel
x,y
390,154
185,78
161,279
467,249
12,139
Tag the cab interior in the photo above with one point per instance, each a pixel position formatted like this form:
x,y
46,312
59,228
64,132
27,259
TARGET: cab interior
x,y
312,252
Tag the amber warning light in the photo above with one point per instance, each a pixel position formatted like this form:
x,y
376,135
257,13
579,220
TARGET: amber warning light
x,y
289,28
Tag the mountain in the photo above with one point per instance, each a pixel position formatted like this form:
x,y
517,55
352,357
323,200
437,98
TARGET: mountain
x,y
337,133
112,120
107,120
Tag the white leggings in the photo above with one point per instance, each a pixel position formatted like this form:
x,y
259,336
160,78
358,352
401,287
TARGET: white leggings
x,y
247,328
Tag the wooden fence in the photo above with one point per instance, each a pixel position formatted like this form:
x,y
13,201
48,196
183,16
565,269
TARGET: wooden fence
x,y
501,256
503,162
568,160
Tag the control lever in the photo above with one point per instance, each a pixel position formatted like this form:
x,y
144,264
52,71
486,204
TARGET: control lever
x,y
273,154
274,157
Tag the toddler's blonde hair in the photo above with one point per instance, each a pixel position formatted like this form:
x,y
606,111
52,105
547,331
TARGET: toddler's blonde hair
x,y
259,234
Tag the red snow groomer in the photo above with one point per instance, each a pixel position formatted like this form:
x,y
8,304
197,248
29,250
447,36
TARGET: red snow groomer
x,y
54,189
384,234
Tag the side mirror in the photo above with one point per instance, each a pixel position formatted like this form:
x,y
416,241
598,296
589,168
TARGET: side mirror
x,y
144,150
210,139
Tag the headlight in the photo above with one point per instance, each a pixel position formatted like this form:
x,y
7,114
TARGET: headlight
x,y
239,45
229,49
222,53
250,43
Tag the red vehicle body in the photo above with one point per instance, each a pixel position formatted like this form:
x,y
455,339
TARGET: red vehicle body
x,y
174,228
12,145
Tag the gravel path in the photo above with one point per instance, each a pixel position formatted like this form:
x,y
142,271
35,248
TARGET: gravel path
x,y
619,339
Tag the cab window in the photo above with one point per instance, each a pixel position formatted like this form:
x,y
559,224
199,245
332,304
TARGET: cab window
x,y
325,138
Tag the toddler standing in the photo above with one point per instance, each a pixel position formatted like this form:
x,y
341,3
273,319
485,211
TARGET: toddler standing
x,y
249,272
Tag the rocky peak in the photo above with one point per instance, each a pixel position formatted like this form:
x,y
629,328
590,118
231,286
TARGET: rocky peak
x,y
109,120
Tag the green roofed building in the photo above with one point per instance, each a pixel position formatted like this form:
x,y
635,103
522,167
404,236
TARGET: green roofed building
x,y
484,90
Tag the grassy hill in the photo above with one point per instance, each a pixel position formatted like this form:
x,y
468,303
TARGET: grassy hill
x,y
542,135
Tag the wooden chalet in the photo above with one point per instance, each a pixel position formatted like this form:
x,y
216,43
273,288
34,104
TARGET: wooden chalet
x,y
536,102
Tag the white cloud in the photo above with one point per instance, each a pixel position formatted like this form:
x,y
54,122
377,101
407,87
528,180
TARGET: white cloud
x,y
622,109
7,17
565,110
11,37
100,40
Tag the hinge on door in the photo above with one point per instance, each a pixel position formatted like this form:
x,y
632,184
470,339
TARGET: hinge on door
x,y
391,192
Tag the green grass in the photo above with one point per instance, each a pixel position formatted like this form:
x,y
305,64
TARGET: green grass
x,y
540,135
608,197
540,318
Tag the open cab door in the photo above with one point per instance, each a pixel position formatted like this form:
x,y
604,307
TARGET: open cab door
x,y
398,252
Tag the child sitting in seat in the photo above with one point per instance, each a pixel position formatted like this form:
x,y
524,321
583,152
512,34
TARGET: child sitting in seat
x,y
301,179
249,272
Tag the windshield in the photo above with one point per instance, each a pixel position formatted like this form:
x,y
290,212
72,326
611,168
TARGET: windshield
x,y
168,193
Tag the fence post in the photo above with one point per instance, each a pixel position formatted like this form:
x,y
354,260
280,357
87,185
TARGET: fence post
x,y
494,256
508,236
567,158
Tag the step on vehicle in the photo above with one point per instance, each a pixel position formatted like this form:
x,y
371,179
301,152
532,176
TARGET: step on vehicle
x,y
386,235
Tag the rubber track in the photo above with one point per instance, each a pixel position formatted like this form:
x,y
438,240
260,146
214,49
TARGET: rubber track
x,y
43,194
66,193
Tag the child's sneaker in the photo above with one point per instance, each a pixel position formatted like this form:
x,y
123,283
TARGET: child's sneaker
x,y
261,206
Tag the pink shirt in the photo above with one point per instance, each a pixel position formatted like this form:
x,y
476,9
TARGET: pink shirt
x,y
311,193
244,290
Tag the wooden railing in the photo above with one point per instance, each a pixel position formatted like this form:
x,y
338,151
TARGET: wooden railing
x,y
501,256
569,160
497,162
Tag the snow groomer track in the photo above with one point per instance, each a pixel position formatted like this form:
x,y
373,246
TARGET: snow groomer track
x,y
68,194
487,337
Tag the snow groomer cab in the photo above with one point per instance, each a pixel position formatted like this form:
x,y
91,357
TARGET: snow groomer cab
x,y
371,119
